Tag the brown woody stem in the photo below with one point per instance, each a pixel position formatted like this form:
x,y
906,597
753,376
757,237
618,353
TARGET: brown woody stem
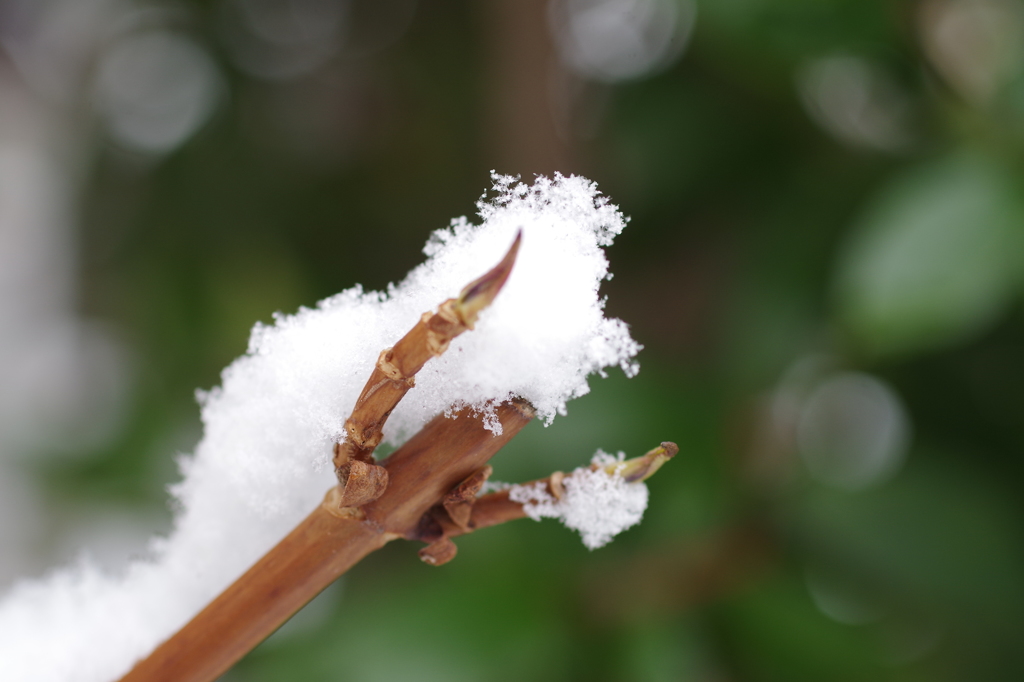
x,y
326,544
396,367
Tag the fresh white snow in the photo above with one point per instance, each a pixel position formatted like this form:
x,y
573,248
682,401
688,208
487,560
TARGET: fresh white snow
x,y
596,504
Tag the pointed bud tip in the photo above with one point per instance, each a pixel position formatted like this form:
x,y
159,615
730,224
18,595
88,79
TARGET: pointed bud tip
x,y
481,292
642,468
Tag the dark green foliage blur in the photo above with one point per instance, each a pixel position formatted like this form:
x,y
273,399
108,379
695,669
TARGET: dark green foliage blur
x,y
765,252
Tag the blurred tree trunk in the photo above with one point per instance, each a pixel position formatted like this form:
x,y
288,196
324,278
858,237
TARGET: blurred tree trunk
x,y
522,76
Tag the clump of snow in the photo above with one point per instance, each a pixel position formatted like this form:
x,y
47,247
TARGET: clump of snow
x,y
263,461
596,504
493,487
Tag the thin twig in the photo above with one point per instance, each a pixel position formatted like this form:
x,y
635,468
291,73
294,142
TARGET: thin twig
x,y
395,374
441,524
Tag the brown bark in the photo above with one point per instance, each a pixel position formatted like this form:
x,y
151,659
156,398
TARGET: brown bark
x,y
326,544
396,369
459,501
490,510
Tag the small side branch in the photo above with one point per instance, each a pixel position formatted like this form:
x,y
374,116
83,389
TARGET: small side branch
x,y
459,514
395,374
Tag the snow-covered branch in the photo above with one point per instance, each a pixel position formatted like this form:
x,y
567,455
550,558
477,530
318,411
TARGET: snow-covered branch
x,y
270,429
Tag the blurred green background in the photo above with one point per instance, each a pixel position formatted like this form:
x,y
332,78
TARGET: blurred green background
x,y
825,264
